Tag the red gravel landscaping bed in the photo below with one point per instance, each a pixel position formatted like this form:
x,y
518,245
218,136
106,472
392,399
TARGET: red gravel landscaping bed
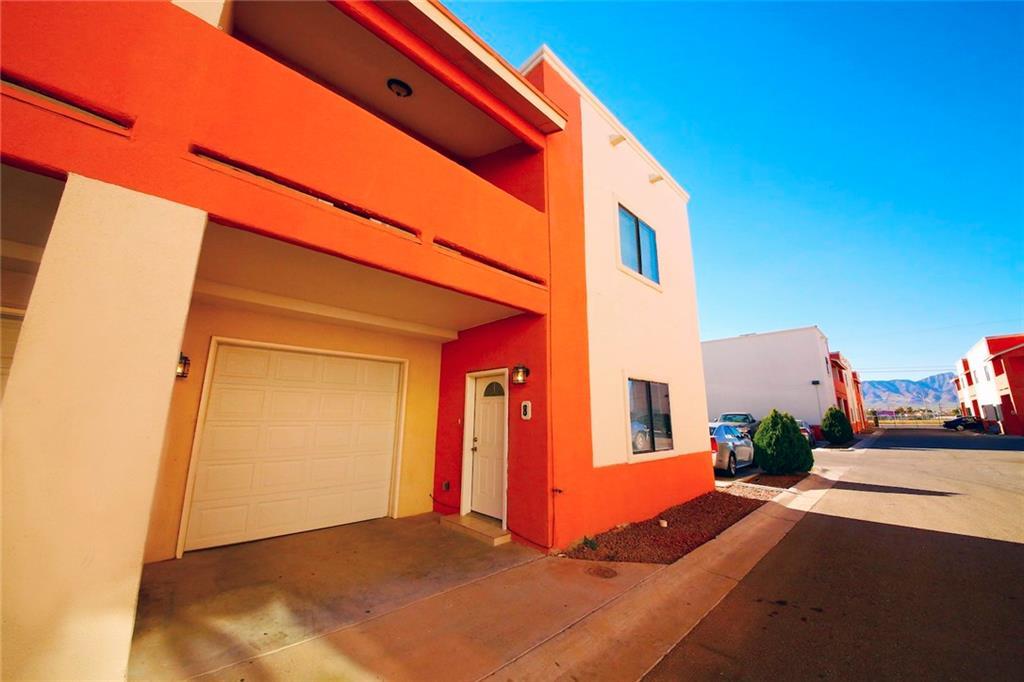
x,y
690,525
778,481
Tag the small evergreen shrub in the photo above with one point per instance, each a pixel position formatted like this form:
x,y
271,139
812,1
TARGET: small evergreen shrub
x,y
779,447
836,427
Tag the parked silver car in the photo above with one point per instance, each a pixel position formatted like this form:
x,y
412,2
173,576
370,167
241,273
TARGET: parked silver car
x,y
744,421
730,449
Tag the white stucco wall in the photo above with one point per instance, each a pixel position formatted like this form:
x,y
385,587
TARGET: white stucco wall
x,y
985,390
637,329
758,372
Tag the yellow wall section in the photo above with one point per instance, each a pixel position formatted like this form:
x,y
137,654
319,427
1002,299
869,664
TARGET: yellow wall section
x,y
207,320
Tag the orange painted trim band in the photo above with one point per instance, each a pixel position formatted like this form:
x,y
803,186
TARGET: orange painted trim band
x,y
388,29
490,50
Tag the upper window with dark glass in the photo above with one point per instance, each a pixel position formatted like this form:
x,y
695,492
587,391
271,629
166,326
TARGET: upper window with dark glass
x,y
638,245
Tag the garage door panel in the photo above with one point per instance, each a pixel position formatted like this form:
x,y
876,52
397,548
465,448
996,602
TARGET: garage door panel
x,y
219,480
287,474
223,521
278,515
292,441
338,405
297,367
236,362
236,402
333,508
370,468
366,502
377,406
284,437
374,437
224,441
341,371
331,471
380,375
293,404
335,437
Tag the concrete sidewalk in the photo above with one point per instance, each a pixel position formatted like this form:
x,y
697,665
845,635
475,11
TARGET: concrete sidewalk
x,y
548,619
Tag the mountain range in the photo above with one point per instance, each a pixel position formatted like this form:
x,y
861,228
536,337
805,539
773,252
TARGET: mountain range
x,y
934,391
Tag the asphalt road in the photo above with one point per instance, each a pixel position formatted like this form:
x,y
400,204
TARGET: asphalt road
x,y
911,567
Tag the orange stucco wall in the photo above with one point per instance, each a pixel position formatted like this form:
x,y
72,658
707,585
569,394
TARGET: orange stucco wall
x,y
207,320
176,84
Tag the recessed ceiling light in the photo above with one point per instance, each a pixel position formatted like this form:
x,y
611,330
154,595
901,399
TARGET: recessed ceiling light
x,y
400,88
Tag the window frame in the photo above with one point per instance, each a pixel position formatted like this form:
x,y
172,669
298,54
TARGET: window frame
x,y
637,223
654,452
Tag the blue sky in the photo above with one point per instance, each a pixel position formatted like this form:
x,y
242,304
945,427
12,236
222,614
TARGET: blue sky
x,y
855,166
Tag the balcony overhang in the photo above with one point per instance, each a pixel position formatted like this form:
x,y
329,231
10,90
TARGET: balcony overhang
x,y
260,273
432,37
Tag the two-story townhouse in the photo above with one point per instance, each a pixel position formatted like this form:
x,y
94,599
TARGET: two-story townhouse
x,y
989,381
273,266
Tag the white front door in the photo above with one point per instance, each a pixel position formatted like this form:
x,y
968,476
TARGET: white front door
x,y
489,446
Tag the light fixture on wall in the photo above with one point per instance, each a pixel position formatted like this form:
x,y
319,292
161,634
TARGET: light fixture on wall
x,y
400,88
181,371
519,374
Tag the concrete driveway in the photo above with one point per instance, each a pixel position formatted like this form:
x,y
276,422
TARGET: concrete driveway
x,y
216,607
908,568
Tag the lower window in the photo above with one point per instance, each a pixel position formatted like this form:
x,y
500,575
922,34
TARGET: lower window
x,y
650,417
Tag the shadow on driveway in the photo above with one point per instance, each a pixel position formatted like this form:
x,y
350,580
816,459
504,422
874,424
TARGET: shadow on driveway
x,y
875,488
840,598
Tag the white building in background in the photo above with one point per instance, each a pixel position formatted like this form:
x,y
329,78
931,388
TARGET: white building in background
x,y
790,370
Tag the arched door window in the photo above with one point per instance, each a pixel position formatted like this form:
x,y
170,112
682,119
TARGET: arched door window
x,y
494,389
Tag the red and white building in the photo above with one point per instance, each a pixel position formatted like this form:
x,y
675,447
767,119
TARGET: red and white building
x,y
990,381
846,384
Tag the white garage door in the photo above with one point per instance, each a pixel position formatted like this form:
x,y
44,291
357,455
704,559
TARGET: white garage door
x,y
292,441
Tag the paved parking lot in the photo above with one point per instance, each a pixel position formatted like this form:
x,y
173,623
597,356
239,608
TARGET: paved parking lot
x,y
908,568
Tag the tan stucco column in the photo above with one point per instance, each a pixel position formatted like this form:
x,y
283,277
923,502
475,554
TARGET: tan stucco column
x,y
214,12
83,425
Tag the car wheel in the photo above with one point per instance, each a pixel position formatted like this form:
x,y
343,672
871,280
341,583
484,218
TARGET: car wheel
x,y
641,442
959,427
731,471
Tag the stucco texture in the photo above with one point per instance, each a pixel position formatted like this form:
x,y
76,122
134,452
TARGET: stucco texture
x,y
207,320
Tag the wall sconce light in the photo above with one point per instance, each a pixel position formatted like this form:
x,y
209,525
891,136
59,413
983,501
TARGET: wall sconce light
x,y
181,371
519,374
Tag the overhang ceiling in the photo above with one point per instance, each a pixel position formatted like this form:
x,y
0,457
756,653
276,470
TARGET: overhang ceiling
x,y
324,43
249,261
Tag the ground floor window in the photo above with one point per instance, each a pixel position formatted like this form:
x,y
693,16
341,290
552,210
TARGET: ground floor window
x,y
650,416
